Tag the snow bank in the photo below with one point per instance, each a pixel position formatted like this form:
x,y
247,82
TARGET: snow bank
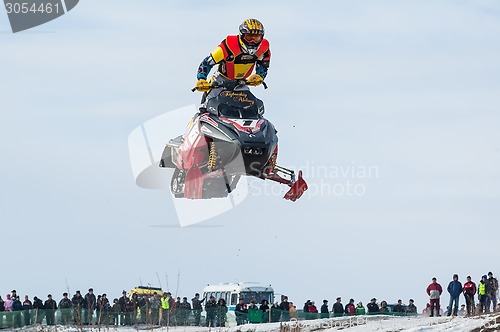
x,y
354,324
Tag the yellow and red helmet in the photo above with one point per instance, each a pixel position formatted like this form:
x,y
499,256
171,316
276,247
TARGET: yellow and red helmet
x,y
251,35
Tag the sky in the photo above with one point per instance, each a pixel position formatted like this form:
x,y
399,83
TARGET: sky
x,y
395,99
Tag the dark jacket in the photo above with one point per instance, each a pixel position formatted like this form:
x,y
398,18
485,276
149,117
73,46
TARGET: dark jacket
x,y
17,305
50,304
306,306
122,301
65,303
493,285
37,303
78,301
455,288
27,305
411,308
90,301
338,308
240,309
211,308
324,309
398,308
285,306
197,303
372,307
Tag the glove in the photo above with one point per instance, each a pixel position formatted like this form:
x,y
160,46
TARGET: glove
x,y
255,80
202,85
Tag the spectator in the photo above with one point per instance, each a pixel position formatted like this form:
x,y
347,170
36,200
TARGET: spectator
x,y
411,308
90,305
8,303
116,312
493,291
324,309
131,311
264,307
124,302
132,308
293,311
455,289
383,307
373,306
241,312
104,310
211,309
306,306
253,306
14,294
275,312
97,309
50,310
221,313
398,308
2,305
65,308
482,295
27,310
184,311
350,308
285,309
461,312
38,307
197,308
155,305
254,314
427,310
17,308
338,307
434,290
78,303
360,310
469,291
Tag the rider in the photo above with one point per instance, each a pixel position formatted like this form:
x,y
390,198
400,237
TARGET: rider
x,y
236,56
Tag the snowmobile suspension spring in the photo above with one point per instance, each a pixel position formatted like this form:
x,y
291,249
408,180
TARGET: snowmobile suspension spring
x,y
212,156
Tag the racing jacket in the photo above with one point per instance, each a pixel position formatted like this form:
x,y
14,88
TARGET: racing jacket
x,y
234,63
470,288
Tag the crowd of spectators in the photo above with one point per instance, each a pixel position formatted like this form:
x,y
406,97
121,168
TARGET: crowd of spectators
x,y
486,290
162,309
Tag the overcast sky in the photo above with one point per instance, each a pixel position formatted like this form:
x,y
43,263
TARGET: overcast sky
x,y
409,90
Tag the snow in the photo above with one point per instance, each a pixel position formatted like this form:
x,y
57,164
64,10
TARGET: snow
x,y
354,324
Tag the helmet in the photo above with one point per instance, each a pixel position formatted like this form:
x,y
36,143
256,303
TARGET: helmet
x,y
251,34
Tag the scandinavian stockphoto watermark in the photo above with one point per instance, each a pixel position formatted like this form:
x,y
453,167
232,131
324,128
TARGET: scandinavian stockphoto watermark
x,y
326,324
26,14
336,180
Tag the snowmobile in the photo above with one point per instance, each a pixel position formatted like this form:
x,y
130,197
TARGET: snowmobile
x,y
230,139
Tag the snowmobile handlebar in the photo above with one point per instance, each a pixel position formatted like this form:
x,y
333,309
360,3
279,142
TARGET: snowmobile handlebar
x,y
233,84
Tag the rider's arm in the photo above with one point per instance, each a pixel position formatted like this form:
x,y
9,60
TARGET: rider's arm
x,y
206,65
262,64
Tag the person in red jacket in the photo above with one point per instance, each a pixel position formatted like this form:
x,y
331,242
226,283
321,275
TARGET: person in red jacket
x,y
469,292
350,308
434,290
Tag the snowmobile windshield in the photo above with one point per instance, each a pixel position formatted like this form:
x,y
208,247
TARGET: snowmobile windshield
x,y
229,111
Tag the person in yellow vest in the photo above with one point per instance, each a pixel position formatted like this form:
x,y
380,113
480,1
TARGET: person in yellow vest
x,y
165,308
482,295
237,56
